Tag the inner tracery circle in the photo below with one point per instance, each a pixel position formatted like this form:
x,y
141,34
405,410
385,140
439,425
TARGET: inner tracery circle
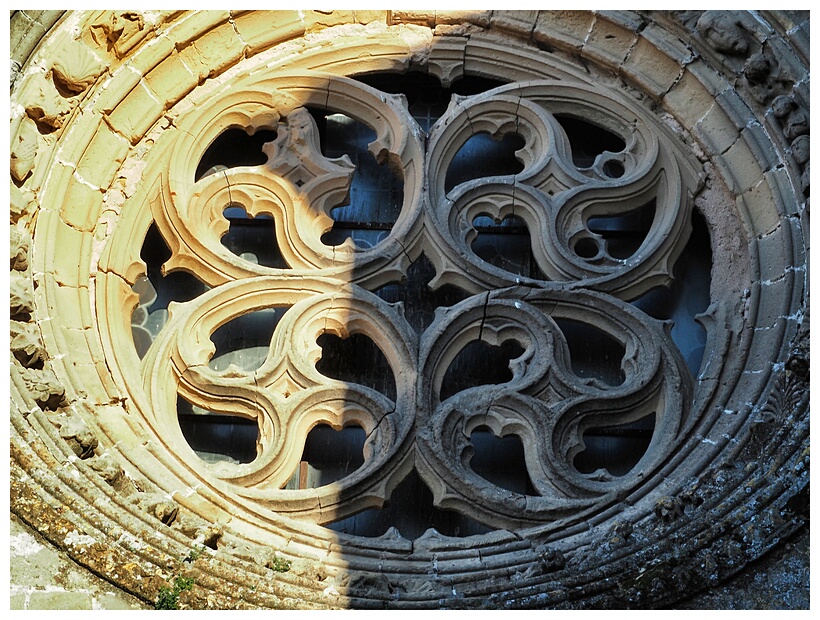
x,y
319,406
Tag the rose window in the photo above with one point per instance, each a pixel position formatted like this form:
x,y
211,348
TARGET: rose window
x,y
456,326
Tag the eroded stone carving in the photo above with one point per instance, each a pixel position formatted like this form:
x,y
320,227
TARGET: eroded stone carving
x,y
77,69
22,300
157,505
26,343
722,30
42,385
793,118
24,150
46,108
111,471
794,122
764,78
119,30
19,243
76,434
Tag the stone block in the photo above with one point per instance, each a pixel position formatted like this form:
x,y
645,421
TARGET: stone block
x,y
76,139
103,157
69,339
520,23
565,30
394,54
260,33
319,20
171,80
195,24
314,21
608,43
760,206
66,242
688,100
790,202
739,167
151,56
736,108
628,20
765,152
136,113
82,380
669,45
775,253
81,205
69,304
716,131
649,69
116,89
368,17
711,80
420,18
213,52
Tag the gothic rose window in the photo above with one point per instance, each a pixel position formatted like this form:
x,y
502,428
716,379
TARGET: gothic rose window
x,y
450,317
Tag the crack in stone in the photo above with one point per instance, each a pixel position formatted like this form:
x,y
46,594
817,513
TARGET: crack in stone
x,y
484,315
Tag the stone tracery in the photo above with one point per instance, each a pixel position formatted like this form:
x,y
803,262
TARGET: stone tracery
x,y
330,289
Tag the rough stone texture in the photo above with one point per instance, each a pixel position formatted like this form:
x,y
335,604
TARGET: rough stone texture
x,y
109,115
780,580
42,577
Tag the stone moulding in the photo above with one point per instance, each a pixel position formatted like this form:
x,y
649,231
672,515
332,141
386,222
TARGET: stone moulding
x,y
111,114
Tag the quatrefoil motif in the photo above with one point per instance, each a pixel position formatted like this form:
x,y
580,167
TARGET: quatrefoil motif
x,y
331,290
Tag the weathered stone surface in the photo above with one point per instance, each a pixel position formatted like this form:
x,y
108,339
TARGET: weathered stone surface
x,y
618,128
26,343
157,505
608,43
46,106
22,301
43,387
77,69
24,150
562,29
76,434
43,578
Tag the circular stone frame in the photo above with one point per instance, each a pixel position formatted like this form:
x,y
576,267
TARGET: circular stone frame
x,y
94,98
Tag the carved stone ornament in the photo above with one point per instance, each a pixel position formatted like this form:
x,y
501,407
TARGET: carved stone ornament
x,y
662,300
